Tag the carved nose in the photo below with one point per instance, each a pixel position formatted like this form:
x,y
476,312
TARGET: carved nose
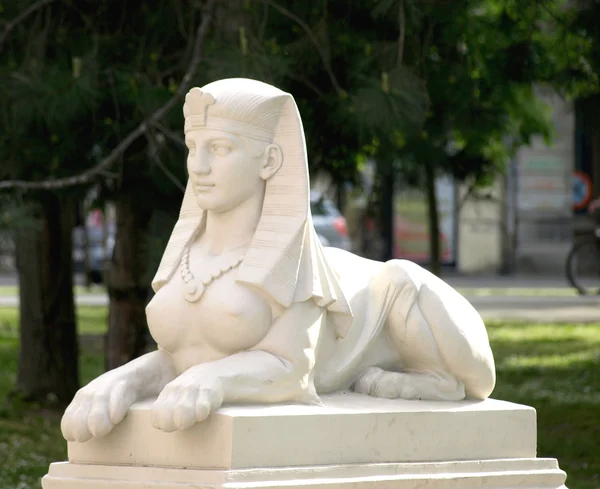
x,y
200,165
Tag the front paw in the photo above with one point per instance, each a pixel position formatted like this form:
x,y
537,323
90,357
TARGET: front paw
x,y
98,407
183,403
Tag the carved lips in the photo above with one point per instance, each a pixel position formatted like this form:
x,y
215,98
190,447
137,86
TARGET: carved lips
x,y
203,187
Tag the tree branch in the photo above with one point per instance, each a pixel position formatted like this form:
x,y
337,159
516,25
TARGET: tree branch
x,y
466,196
170,134
154,154
22,16
308,83
401,33
88,175
313,39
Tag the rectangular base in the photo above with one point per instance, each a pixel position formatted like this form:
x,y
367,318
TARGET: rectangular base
x,y
477,474
349,429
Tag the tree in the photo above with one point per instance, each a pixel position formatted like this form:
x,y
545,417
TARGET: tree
x,y
422,87
43,105
61,88
577,56
48,357
260,39
150,58
479,62
344,66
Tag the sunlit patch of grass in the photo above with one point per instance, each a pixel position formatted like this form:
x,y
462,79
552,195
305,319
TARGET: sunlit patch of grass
x,y
556,369
9,290
568,360
92,319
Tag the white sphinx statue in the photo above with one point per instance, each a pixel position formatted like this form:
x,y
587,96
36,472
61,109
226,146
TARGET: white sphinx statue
x,y
250,308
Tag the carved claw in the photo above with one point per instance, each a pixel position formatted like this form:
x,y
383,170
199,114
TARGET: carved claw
x,y
97,408
187,400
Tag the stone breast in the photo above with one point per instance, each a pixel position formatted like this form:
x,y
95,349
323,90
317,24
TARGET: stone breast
x,y
228,318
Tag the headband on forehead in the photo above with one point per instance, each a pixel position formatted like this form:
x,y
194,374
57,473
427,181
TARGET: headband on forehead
x,y
195,111
202,122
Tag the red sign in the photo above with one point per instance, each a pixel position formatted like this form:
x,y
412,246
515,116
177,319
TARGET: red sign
x,y
582,190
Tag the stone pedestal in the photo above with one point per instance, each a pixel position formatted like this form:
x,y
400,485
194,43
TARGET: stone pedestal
x,y
354,441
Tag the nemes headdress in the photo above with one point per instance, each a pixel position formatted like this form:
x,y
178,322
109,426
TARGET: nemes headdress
x,y
285,258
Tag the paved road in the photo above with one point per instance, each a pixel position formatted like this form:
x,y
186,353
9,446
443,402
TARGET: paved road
x,y
508,281
534,309
539,309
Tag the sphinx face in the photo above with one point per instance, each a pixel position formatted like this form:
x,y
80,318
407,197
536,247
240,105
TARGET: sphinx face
x,y
223,171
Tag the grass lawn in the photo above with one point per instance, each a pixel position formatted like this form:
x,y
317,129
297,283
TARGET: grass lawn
x,y
553,367
13,290
90,320
31,439
556,369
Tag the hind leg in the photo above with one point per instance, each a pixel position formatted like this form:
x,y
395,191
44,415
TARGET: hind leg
x,y
430,386
423,376
439,351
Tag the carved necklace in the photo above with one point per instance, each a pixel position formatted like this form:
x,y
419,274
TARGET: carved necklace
x,y
196,286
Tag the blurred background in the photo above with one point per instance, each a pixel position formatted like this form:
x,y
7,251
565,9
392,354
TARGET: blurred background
x,y
463,135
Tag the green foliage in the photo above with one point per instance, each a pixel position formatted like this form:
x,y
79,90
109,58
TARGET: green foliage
x,y
16,214
339,60
479,66
419,77
77,79
396,104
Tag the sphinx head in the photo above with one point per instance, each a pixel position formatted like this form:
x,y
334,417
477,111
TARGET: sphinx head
x,y
239,132
229,132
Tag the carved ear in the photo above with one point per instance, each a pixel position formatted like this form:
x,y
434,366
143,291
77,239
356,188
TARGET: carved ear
x,y
273,158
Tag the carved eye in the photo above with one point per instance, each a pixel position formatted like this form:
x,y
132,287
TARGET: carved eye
x,y
191,147
221,149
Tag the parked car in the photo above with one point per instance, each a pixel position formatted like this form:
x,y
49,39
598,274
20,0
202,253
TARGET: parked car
x,y
329,223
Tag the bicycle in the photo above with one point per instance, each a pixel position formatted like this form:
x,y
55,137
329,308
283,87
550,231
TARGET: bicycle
x,y
583,260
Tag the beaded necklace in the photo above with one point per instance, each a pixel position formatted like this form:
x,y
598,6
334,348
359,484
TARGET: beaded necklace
x,y
196,286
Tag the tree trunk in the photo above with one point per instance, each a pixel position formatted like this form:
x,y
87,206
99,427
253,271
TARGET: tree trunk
x,y
128,284
48,358
435,265
386,185
594,138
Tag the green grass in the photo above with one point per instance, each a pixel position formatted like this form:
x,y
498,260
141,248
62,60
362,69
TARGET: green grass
x,y
30,438
90,320
556,369
553,367
13,290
